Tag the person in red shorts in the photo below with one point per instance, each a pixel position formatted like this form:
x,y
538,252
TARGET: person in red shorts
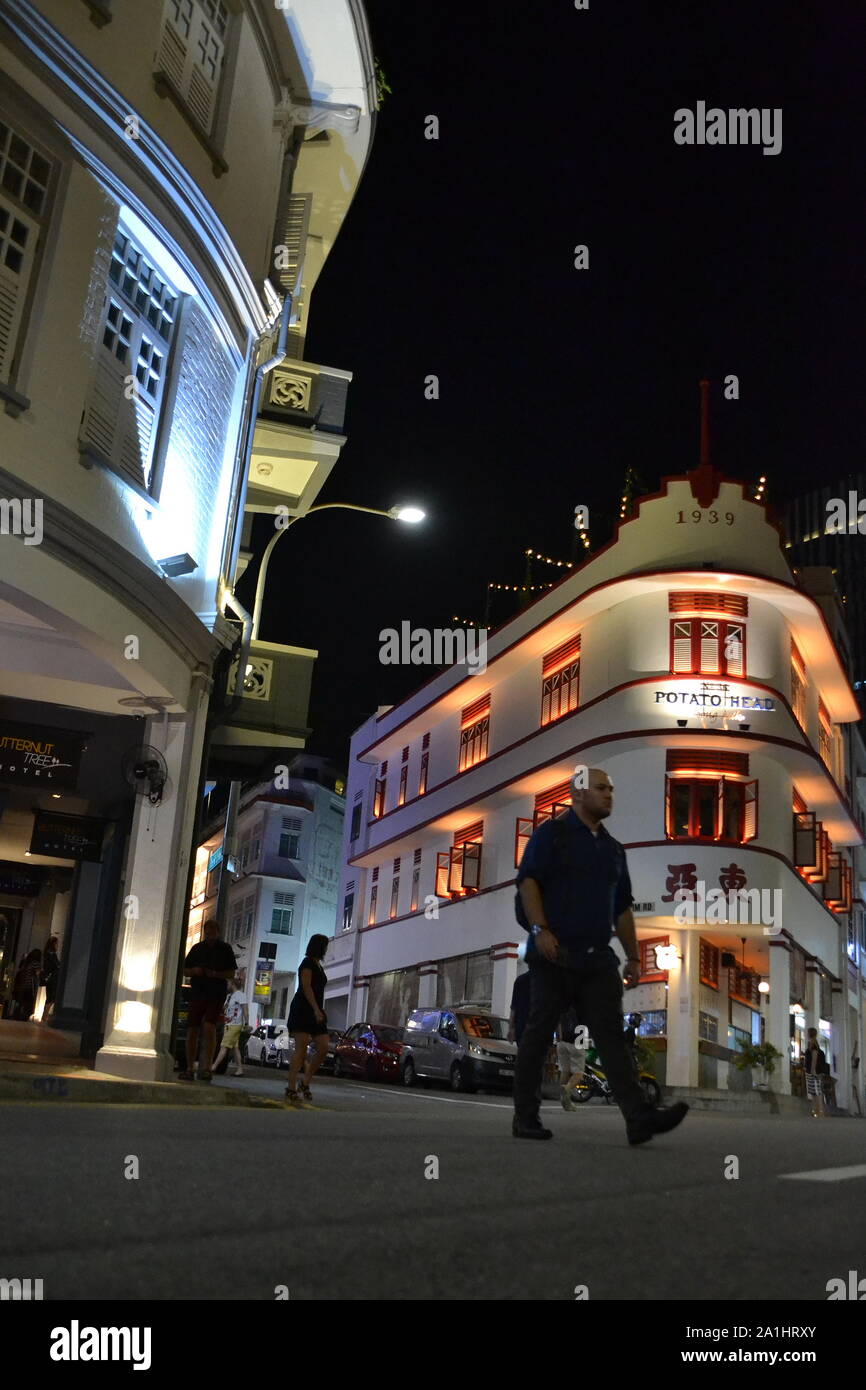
x,y
210,964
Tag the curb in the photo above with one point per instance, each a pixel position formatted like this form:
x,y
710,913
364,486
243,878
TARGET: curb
x,y
83,1090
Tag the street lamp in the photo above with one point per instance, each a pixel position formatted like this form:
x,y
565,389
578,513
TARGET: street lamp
x,y
400,513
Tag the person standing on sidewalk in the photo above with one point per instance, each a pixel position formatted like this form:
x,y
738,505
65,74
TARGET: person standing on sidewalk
x,y
236,1018
307,1020
210,964
575,888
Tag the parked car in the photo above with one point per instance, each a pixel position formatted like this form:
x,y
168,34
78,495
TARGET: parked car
x,y
265,1044
286,1047
466,1046
372,1050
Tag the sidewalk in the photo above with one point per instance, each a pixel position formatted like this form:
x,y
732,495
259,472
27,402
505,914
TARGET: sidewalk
x,y
37,1063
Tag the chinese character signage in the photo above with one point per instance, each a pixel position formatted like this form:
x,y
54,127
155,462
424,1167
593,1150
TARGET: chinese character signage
x,y
35,755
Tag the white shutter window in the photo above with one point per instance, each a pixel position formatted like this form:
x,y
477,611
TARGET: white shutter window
x,y
734,649
24,177
132,363
710,648
682,645
191,51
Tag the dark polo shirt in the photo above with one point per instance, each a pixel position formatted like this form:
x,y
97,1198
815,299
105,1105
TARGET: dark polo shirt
x,y
584,883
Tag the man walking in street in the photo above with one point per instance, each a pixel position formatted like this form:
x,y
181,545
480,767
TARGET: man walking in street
x,y
575,888
210,964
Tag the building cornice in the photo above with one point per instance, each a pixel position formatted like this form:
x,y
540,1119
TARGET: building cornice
x,y
98,558
105,111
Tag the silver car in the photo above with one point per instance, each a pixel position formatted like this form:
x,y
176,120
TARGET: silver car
x,y
465,1045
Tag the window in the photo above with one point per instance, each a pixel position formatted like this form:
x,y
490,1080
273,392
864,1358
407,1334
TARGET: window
x,y
416,880
825,736
24,179
348,906
282,914
707,808
709,965
404,776
474,733
708,1027
138,322
649,969
560,682
191,51
395,893
708,646
249,911
654,1024
422,777
548,805
235,928
290,838
374,898
355,828
379,792
458,870
798,686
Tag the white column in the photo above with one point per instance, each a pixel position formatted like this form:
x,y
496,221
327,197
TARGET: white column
x,y
153,910
684,986
359,997
505,963
840,1063
779,1012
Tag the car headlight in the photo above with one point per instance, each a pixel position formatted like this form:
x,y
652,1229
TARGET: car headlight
x,y
476,1050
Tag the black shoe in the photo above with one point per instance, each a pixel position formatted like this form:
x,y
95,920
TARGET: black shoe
x,y
657,1121
532,1131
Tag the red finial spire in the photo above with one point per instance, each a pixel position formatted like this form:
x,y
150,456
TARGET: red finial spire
x,y
705,479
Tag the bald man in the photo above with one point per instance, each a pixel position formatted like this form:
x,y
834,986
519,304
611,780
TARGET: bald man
x,y
575,889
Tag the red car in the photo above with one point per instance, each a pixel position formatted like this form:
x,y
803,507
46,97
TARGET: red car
x,y
371,1050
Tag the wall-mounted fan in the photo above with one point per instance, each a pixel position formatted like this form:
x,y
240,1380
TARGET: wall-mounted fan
x,y
145,770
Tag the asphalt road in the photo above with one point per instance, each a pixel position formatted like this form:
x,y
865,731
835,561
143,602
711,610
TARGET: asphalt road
x,y
333,1202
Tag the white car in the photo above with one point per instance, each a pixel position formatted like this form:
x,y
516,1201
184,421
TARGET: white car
x,y
266,1045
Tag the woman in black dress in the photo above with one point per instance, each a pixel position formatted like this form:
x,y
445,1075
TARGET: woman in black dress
x,y
307,1020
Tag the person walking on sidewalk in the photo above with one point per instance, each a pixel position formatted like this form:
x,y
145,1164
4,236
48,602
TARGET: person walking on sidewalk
x,y
50,974
210,964
307,1021
575,889
236,1020
26,985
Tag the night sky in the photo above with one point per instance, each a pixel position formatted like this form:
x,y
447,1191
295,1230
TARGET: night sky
x,y
456,258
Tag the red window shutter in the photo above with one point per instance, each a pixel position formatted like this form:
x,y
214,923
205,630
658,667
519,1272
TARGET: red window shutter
x,y
475,711
669,821
648,968
807,848
737,605
562,656
750,810
710,648
799,803
470,874
709,964
471,832
735,649
522,836
681,648
443,865
693,760
560,795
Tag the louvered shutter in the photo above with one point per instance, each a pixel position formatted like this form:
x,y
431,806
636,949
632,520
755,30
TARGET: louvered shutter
x,y
682,647
669,822
471,870
710,664
522,837
19,236
735,640
750,810
121,429
191,50
443,866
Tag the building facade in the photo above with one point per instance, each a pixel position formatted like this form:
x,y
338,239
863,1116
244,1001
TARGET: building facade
x,y
172,177
685,660
285,880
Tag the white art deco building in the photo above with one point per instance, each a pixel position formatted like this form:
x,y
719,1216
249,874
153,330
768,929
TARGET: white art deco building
x,y
173,175
710,682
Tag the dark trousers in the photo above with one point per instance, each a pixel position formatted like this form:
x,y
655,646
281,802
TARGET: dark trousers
x,y
595,990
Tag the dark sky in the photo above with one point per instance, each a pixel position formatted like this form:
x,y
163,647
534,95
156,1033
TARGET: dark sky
x,y
456,258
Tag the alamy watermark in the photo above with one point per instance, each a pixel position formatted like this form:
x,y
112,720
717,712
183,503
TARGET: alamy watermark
x,y
736,126
22,518
738,907
846,518
438,646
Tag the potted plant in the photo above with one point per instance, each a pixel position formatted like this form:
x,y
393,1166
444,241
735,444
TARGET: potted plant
x,y
758,1058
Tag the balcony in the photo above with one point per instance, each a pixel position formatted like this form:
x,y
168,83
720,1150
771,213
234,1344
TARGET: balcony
x,y
272,714
298,436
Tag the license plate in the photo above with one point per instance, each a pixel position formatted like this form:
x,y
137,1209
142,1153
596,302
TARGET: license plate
x,y
506,1071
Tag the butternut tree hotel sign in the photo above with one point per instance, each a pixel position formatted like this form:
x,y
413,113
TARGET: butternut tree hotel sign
x,y
37,755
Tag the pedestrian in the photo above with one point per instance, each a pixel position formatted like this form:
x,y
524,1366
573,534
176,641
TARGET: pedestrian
x,y
519,1007
816,1068
571,1055
236,1019
210,964
50,974
26,986
575,891
307,1021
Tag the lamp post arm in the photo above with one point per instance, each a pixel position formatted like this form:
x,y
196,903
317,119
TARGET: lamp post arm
x,y
279,531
